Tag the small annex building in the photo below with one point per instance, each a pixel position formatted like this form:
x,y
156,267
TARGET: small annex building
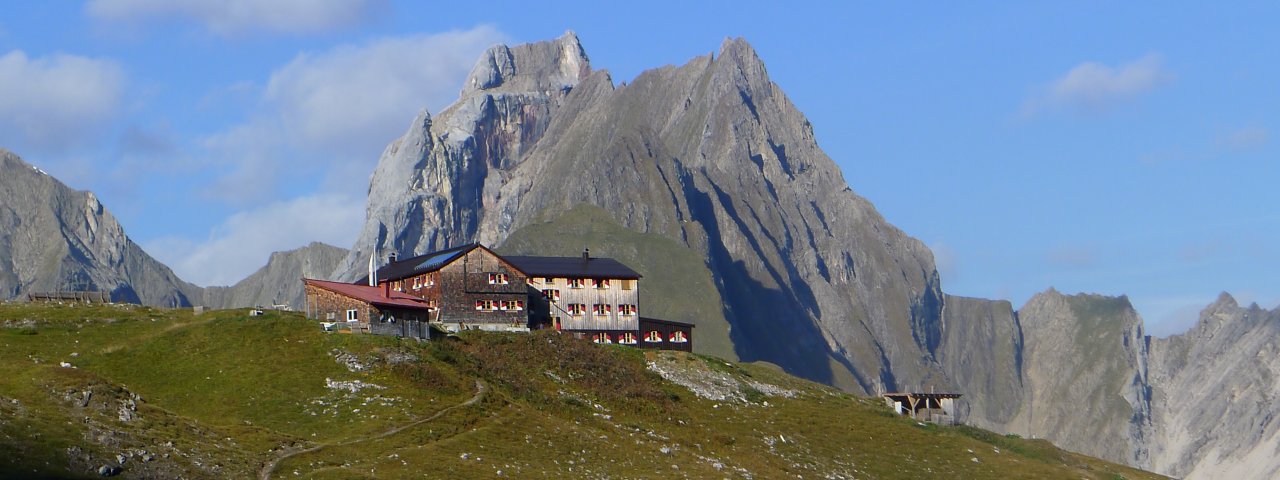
x,y
368,309
471,287
932,407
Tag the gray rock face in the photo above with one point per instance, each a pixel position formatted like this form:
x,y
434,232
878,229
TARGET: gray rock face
x,y
1085,376
55,238
981,353
1215,394
279,281
710,154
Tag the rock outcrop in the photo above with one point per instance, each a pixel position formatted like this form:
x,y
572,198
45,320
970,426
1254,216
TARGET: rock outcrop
x,y
1085,376
710,154
279,281
54,238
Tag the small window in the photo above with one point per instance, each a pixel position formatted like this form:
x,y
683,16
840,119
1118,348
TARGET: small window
x,y
417,283
627,338
602,309
627,309
601,338
498,279
576,283
431,280
678,337
552,294
353,315
549,281
577,308
600,284
628,284
653,337
486,305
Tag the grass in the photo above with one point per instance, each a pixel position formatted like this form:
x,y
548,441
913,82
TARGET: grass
x,y
220,395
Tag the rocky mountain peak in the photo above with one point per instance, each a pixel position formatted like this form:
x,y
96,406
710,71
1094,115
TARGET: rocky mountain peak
x,y
1224,303
542,66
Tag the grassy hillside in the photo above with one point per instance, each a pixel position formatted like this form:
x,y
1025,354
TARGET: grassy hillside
x,y
677,284
225,395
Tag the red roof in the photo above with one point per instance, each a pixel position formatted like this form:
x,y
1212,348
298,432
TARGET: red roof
x,y
373,295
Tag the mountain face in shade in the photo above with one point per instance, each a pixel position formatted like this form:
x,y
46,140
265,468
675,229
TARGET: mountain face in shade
x,y
54,238
711,155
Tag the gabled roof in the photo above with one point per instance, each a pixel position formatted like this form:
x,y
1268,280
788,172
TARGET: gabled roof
x,y
428,262
572,267
372,295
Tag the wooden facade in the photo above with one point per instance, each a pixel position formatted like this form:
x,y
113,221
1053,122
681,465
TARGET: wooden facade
x,y
469,287
587,304
666,334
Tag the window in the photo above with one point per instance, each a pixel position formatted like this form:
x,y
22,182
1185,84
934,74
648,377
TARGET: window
x,y
627,309
601,338
417,283
577,308
653,337
328,316
486,305
602,309
600,284
512,305
548,281
398,286
627,338
678,337
430,280
628,284
498,279
353,315
575,283
552,294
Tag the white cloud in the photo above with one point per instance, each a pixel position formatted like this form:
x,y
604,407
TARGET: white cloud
x,y
1094,87
230,17
242,243
324,112
1247,138
58,100
365,95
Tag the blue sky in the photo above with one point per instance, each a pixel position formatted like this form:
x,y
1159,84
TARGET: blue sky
x,y
1118,148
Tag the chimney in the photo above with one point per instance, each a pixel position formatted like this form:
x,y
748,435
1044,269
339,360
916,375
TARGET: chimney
x,y
586,254
391,258
386,289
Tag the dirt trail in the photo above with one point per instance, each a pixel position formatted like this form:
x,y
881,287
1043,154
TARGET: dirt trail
x,y
269,468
